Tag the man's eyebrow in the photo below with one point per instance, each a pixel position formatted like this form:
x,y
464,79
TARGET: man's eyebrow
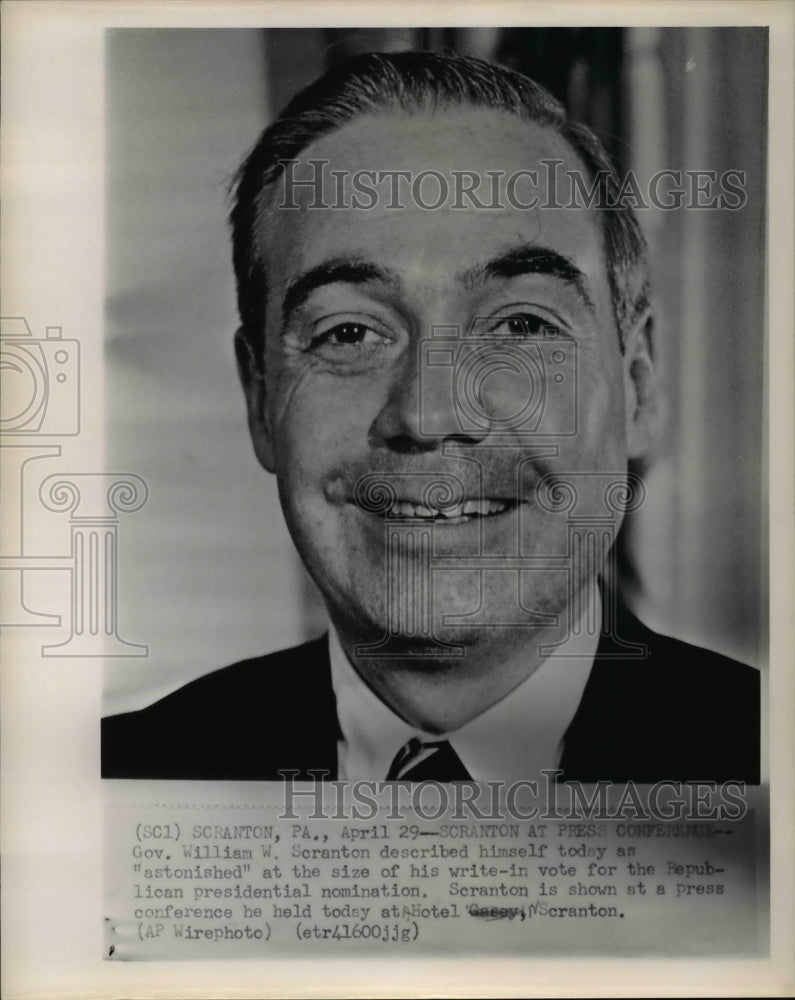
x,y
528,259
349,270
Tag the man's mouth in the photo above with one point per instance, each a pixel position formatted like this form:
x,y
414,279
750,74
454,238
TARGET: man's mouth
x,y
468,510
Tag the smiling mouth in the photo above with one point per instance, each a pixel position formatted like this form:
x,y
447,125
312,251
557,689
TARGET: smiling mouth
x,y
468,510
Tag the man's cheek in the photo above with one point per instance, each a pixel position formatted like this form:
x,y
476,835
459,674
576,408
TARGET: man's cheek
x,y
300,421
600,431
286,391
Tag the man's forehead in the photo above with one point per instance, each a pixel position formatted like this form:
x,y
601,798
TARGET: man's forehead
x,y
447,139
372,186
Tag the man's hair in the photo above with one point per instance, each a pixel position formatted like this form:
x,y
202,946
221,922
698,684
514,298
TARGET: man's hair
x,y
379,83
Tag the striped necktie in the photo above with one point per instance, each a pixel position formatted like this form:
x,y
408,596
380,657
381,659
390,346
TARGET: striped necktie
x,y
419,761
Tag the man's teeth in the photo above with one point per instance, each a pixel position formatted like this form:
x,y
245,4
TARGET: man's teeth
x,y
470,508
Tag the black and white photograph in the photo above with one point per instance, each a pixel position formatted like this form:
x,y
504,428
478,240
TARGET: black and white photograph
x,y
409,500
468,381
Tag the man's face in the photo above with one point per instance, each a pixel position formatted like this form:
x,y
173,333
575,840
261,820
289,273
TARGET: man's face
x,y
352,387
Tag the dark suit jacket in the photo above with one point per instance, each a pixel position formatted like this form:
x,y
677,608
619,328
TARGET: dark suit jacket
x,y
679,713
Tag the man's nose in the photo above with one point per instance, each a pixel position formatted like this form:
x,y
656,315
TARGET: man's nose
x,y
420,412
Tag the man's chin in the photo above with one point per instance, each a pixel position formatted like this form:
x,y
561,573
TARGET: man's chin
x,y
446,645
459,614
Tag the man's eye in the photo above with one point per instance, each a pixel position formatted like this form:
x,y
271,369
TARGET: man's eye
x,y
347,334
524,325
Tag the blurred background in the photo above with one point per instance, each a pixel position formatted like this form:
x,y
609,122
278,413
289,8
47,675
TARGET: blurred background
x,y
207,573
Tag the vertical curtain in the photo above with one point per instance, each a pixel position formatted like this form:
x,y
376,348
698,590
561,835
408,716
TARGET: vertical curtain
x,y
182,106
696,100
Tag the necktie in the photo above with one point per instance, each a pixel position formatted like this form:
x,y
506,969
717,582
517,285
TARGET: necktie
x,y
419,761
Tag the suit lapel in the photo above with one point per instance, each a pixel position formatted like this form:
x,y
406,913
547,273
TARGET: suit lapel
x,y
309,730
603,736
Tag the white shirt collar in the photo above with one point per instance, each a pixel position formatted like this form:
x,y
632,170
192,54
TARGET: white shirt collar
x,y
517,737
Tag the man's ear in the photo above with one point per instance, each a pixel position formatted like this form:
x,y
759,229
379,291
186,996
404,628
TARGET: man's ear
x,y
252,379
640,387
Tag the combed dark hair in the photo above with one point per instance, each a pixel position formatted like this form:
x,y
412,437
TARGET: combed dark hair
x,y
378,83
